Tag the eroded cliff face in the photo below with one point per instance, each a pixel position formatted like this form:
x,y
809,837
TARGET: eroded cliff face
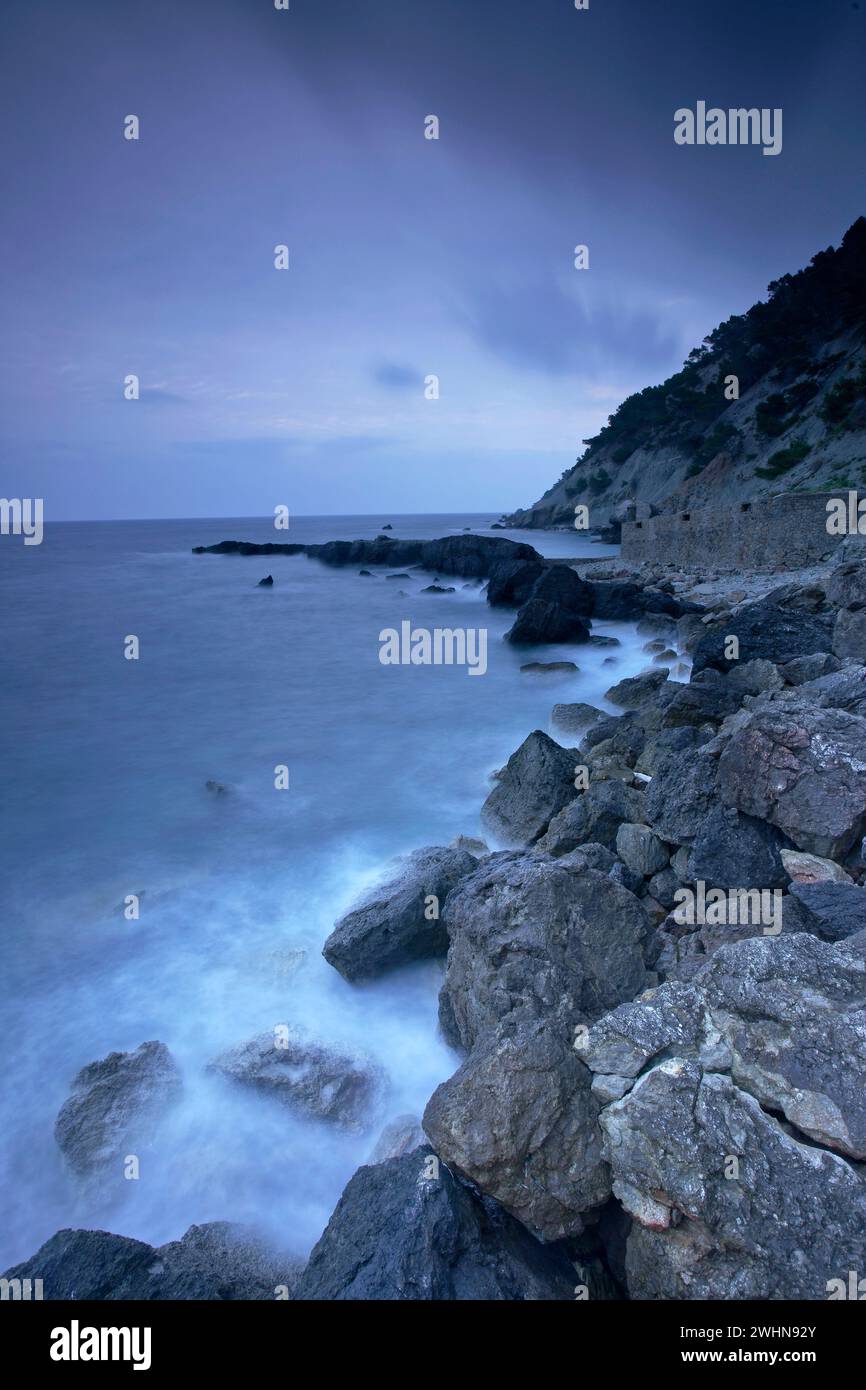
x,y
774,400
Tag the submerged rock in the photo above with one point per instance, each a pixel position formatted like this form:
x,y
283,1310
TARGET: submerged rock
x,y
115,1107
266,583
407,1230
399,921
340,1088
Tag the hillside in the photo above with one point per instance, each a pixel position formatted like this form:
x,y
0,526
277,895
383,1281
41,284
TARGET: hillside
x,y
799,422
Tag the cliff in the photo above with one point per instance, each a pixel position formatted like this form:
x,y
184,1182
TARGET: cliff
x,y
798,422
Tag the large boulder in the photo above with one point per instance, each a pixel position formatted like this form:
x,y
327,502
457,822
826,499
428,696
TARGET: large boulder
x,y
681,795
115,1108
731,850
764,631
791,1220
343,1089
593,817
396,923
512,582
803,769
556,611
536,782
408,1230
519,1120
634,691
533,939
217,1261
833,910
846,587
727,1199
849,635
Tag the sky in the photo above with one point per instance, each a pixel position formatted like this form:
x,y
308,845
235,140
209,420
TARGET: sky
x,y
408,258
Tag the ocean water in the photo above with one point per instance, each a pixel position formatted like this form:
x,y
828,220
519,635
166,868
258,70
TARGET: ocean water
x,y
104,794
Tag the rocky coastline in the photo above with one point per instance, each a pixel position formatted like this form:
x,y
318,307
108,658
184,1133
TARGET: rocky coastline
x,y
656,982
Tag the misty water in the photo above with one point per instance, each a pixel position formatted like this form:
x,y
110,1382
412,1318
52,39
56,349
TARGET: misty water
x,y
105,769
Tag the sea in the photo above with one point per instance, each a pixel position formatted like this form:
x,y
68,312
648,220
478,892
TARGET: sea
x,y
105,795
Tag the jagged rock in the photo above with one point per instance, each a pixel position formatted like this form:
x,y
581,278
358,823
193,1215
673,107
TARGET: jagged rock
x,y
536,782
635,691
786,1016
575,718
811,868
681,796
115,1107
802,769
640,849
793,1219
595,816
846,586
661,746
399,1234
701,702
831,910
809,668
320,1082
663,886
624,742
439,589
512,582
471,845
400,1136
530,939
732,850
556,610
392,925
766,631
519,1120
218,1261
849,635
266,583
846,689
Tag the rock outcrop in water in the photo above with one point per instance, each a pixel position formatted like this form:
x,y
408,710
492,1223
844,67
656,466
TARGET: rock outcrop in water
x,y
115,1107
339,1088
400,921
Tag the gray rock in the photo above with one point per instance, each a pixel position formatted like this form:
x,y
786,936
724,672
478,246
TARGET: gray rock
x,y
809,668
217,1261
701,702
400,1136
681,795
557,609
532,939
519,1120
640,849
398,1234
849,635
575,718
536,783
831,910
765,631
811,868
635,691
594,816
791,1220
339,1088
802,769
732,850
393,925
847,584
115,1108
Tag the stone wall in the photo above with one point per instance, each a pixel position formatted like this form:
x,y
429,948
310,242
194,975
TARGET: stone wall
x,y
789,530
